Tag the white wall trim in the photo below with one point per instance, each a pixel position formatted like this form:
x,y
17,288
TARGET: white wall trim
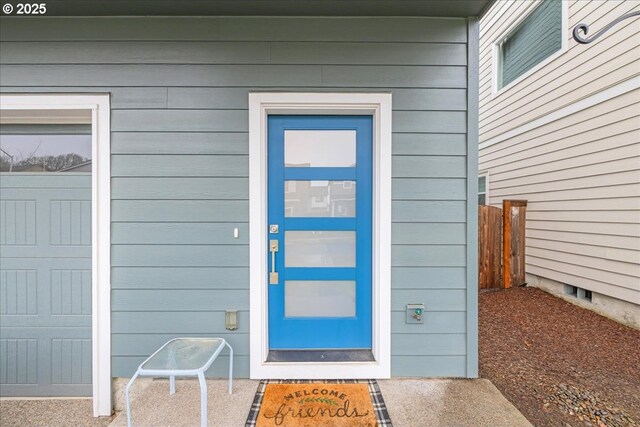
x,y
495,50
379,106
471,223
600,97
99,107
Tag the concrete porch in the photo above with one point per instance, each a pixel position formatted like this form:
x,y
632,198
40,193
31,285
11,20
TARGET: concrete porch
x,y
411,402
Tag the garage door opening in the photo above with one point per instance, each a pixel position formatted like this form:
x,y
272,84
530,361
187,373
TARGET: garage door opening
x,y
45,260
54,247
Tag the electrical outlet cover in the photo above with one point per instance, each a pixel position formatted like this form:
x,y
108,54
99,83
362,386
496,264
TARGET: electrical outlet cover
x,y
415,313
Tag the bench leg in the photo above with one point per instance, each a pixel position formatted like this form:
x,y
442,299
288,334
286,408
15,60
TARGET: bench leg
x,y
230,388
172,385
126,394
203,399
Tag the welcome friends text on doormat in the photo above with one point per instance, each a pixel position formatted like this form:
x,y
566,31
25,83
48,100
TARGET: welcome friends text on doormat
x,y
318,403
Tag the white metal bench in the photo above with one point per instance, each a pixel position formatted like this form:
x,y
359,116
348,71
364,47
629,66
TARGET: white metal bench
x,y
183,357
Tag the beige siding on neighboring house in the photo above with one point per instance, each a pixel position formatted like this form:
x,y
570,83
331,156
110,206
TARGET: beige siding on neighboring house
x,y
578,72
581,176
566,137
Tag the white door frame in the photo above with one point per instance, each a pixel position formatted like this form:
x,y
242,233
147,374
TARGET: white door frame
x,y
93,109
378,105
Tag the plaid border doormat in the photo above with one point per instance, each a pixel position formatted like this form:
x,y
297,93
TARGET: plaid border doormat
x,y
377,401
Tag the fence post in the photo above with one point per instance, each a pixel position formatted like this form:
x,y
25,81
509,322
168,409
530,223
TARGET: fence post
x,y
507,251
489,244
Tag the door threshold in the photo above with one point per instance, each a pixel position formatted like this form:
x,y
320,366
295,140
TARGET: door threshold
x,y
320,356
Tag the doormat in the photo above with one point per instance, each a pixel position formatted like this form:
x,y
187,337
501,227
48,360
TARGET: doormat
x,y
307,403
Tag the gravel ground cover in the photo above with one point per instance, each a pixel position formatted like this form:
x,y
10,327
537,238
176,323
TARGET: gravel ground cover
x,y
50,413
559,364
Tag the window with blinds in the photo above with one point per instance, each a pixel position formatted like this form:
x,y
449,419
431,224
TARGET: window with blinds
x,y
537,37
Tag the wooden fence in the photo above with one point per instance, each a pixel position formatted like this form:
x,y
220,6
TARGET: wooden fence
x,y
489,244
501,245
514,214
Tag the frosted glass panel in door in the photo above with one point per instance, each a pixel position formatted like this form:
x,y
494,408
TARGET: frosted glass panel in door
x,y
319,148
320,248
317,298
320,198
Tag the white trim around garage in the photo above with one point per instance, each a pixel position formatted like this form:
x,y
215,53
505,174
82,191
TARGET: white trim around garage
x,y
379,106
97,107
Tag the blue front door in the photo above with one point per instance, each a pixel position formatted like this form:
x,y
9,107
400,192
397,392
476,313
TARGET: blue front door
x,y
319,215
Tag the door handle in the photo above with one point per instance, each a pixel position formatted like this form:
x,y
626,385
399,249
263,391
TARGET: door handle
x,y
273,274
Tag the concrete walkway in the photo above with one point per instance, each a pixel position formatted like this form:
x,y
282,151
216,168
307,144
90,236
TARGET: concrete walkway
x,y
411,403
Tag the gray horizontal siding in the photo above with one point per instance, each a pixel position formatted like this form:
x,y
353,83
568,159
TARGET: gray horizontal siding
x,y
180,160
260,75
428,255
429,144
428,233
174,277
179,120
428,277
166,300
191,143
179,210
425,166
351,29
179,166
151,323
392,76
232,53
428,189
434,299
436,322
428,366
182,255
369,29
428,344
167,188
235,98
428,211
182,233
